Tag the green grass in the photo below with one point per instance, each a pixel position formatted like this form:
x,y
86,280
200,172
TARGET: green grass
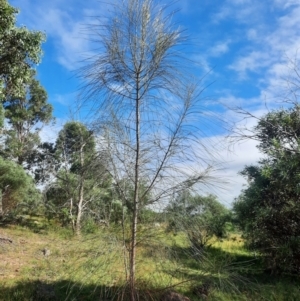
x,y
92,267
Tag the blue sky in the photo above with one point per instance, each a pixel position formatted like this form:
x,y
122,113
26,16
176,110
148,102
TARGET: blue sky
x,y
247,45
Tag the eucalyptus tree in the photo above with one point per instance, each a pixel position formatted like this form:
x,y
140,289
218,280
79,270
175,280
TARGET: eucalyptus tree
x,y
23,100
20,50
148,110
25,116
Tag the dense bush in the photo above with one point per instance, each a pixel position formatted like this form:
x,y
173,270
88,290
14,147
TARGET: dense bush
x,y
269,209
200,217
18,192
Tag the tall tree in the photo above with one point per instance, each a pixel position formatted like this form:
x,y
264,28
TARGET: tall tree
x,y
25,116
147,109
81,172
75,144
23,100
20,49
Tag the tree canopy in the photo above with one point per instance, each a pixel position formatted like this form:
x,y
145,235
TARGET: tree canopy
x,y
20,49
25,116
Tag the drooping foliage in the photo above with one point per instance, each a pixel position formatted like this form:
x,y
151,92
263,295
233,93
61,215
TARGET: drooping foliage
x,y
147,107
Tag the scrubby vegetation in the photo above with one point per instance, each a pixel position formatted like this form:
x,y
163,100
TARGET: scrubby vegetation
x,y
91,267
112,210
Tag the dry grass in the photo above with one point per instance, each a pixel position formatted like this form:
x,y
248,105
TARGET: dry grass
x,y
93,266
94,260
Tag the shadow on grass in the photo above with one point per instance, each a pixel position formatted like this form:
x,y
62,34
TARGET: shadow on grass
x,y
55,291
32,223
70,291
194,258
239,275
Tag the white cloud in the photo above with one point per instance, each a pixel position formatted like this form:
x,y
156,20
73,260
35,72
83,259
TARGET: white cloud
x,y
226,183
271,48
64,99
201,62
50,132
232,103
286,3
236,156
223,13
66,33
243,11
253,62
252,34
219,49
63,25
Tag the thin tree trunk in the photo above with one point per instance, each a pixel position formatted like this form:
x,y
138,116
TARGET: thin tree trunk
x,y
125,249
148,65
71,215
79,211
136,196
80,194
1,204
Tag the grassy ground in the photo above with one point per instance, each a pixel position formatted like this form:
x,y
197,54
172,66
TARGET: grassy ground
x,y
92,267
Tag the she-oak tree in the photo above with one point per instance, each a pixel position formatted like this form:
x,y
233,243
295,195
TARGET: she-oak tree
x,y
148,110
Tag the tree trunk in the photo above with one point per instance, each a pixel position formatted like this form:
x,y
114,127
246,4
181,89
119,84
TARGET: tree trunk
x,y
136,196
80,194
1,204
133,248
138,75
71,215
78,218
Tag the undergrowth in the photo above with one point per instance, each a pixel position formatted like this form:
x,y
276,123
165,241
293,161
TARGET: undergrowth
x,y
92,267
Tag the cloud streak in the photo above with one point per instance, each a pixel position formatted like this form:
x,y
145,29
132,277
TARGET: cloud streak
x,y
64,25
